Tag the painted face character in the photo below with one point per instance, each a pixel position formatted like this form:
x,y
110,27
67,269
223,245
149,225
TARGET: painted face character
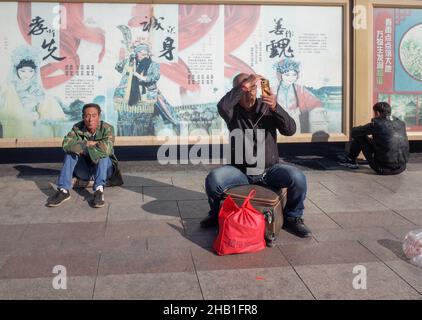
x,y
26,73
289,77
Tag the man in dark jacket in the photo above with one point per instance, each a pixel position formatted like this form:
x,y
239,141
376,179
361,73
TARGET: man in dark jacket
x,y
387,152
257,120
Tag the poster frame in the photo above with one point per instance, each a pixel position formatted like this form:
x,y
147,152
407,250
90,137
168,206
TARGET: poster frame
x,y
363,61
347,78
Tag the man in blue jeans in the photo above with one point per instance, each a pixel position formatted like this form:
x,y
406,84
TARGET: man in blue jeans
x,y
89,154
258,119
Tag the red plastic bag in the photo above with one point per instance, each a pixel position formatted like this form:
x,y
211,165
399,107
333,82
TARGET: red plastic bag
x,y
241,230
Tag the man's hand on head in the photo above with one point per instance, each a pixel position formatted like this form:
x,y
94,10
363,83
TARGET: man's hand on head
x,y
250,82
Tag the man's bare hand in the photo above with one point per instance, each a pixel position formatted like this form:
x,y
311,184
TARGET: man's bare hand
x,y
270,100
91,143
250,82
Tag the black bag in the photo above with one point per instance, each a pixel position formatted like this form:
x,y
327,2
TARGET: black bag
x,y
269,202
116,179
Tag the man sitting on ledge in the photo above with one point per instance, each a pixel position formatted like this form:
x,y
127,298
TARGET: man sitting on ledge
x,y
89,155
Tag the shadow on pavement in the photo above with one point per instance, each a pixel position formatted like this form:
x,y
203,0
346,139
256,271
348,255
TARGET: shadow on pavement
x,y
204,241
395,247
143,186
29,173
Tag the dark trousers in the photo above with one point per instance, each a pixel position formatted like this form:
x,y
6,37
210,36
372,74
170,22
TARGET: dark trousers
x,y
366,145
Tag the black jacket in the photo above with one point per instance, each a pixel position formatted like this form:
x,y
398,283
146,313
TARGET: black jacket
x,y
390,141
262,117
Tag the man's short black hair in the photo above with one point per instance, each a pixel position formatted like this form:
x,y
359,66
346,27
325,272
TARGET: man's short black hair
x,y
91,105
383,108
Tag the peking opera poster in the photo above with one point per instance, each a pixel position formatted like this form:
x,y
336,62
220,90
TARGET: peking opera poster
x,y
160,69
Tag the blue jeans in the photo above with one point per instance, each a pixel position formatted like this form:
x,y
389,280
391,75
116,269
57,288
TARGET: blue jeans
x,y
276,177
75,165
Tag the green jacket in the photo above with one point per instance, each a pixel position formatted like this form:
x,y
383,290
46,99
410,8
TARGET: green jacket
x,y
75,142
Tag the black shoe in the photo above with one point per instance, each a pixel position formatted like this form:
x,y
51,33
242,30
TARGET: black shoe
x,y
345,161
296,226
58,198
209,222
98,199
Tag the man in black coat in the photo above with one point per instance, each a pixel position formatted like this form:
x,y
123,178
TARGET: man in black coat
x,y
387,152
255,122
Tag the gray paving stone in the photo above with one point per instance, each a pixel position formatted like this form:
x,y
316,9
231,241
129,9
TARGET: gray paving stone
x,y
3,258
414,215
387,249
15,207
352,186
318,189
400,201
140,231
320,176
154,210
348,203
186,241
372,233
191,181
138,179
9,235
77,288
40,265
410,273
61,231
327,253
70,213
285,237
133,260
193,208
260,284
318,221
206,259
335,281
28,184
155,286
401,231
192,227
405,183
363,219
172,193
311,208
134,229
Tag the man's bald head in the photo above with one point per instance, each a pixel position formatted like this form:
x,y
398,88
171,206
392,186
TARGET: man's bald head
x,y
239,79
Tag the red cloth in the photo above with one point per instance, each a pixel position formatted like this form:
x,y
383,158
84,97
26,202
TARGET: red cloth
x,y
241,229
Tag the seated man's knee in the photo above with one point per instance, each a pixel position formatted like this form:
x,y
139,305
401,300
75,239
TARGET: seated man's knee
x,y
212,181
216,180
294,176
298,178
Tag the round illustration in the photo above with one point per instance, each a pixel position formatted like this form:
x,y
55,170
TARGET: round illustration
x,y
411,52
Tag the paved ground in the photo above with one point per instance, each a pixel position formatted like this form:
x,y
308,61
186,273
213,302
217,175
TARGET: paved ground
x,y
146,242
